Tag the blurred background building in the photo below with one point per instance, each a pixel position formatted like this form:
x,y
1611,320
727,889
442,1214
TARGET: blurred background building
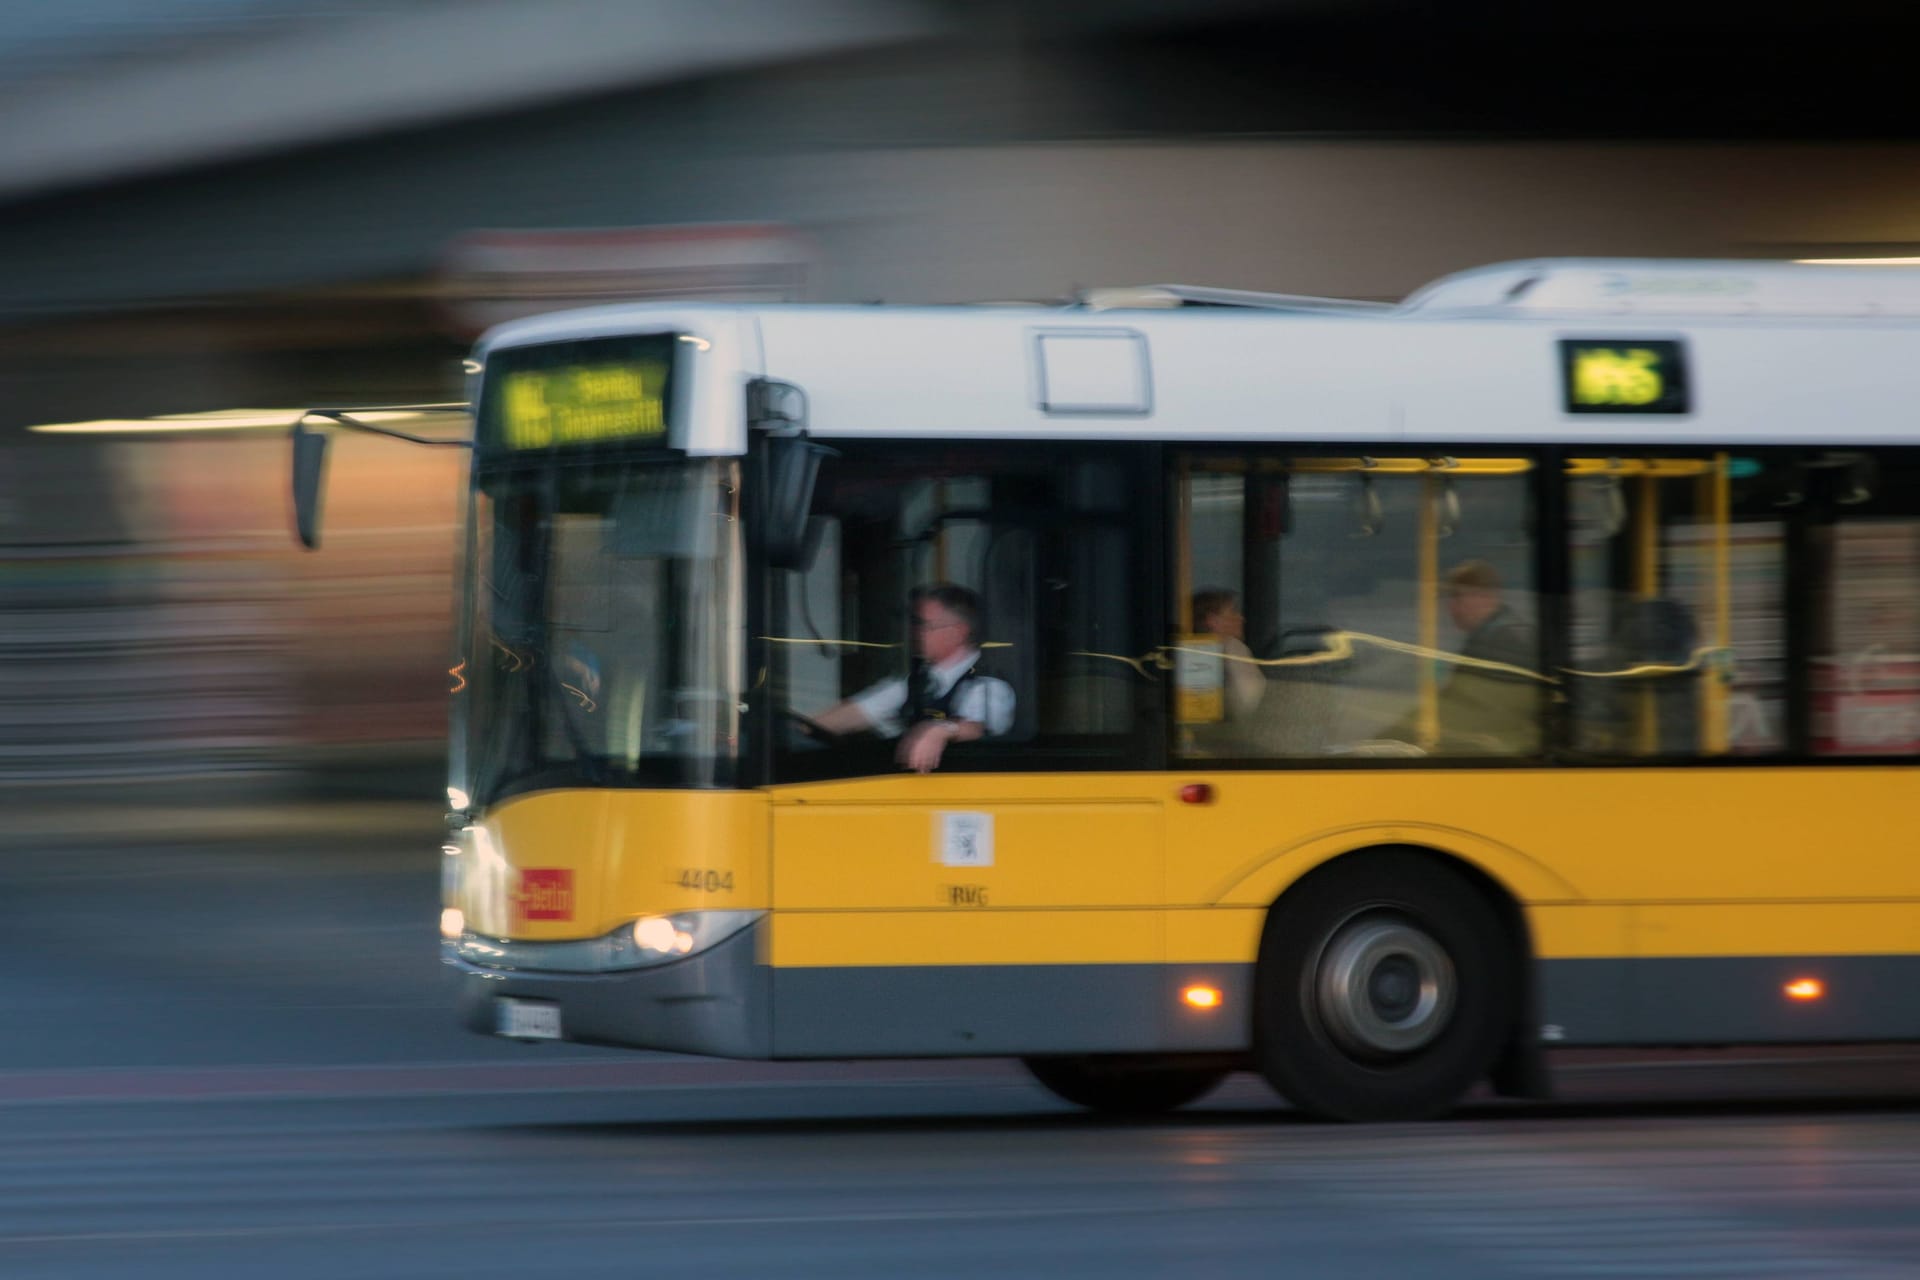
x,y
214,206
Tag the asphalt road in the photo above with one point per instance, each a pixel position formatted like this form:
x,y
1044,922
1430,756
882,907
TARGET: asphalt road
x,y
235,1060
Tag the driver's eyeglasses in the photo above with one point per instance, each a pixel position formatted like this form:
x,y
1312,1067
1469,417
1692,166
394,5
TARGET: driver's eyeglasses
x,y
929,624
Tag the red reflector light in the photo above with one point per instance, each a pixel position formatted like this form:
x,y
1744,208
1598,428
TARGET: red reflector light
x,y
1805,989
1197,793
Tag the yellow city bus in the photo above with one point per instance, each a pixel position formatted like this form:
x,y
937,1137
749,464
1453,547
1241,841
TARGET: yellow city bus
x,y
1379,695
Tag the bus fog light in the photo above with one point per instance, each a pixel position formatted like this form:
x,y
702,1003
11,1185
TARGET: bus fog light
x,y
453,923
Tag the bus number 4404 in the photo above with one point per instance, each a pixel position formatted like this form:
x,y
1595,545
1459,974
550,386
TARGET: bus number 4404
x,y
705,881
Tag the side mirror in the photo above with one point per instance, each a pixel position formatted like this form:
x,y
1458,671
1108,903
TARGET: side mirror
x,y
309,481
793,463
817,529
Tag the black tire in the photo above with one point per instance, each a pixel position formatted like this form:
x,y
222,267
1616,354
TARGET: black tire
x,y
1385,988
1124,1086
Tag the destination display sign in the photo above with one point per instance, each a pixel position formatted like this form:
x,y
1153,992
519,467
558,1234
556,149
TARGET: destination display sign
x,y
1624,375
578,394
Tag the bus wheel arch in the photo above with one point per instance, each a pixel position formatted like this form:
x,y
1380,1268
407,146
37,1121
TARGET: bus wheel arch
x,y
1390,980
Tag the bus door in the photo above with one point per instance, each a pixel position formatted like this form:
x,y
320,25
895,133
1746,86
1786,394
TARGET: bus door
x,y
1006,899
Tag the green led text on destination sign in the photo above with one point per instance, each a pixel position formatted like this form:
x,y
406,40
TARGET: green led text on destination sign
x,y
583,404
1623,376
1628,376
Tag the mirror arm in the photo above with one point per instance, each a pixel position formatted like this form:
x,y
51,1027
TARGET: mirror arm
x,y
310,456
345,418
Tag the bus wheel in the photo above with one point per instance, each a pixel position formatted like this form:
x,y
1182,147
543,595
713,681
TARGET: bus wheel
x,y
1384,991
1124,1086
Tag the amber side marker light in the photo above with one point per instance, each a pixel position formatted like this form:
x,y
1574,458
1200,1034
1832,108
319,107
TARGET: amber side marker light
x,y
1202,997
1805,989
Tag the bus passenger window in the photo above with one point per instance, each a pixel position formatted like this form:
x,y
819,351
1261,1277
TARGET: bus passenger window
x,y
1334,607
1865,538
1676,632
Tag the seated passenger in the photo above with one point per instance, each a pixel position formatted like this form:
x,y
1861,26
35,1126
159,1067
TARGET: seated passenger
x,y
944,698
1491,704
1217,612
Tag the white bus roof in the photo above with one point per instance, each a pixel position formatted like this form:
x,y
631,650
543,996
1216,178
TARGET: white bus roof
x,y
1698,288
1772,352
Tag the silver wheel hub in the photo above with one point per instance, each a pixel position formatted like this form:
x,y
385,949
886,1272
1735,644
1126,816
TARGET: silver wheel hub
x,y
1383,987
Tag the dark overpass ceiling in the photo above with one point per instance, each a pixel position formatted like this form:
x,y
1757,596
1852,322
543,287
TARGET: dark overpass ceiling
x,y
382,206
1631,67
1395,67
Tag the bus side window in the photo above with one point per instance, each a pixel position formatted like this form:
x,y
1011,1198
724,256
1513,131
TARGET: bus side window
x,y
1386,605
1865,535
1676,628
1041,537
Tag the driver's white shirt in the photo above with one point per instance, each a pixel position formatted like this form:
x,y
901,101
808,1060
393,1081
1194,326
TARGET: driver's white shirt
x,y
985,699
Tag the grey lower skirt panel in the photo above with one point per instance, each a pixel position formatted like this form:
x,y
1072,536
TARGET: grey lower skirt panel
x,y
1729,1000
726,1003
1022,1009
974,1010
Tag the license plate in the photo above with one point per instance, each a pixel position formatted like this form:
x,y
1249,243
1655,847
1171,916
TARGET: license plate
x,y
526,1019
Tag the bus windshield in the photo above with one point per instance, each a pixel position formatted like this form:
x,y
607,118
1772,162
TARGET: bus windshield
x,y
605,631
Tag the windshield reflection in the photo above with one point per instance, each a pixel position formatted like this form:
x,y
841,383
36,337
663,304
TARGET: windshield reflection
x,y
604,634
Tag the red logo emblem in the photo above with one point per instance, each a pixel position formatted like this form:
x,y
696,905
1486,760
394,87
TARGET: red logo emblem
x,y
546,893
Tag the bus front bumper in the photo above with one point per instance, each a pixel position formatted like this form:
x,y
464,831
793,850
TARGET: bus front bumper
x,y
713,1002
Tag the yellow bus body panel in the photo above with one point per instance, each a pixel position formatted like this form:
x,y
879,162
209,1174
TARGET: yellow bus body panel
x,y
1072,872
1776,928
804,939
1115,869
629,853
1607,862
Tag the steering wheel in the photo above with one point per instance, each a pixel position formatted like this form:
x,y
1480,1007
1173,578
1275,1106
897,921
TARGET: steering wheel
x,y
810,727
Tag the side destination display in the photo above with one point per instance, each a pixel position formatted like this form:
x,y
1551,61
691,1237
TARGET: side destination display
x,y
1624,375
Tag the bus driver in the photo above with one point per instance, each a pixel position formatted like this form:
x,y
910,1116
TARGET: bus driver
x,y
944,697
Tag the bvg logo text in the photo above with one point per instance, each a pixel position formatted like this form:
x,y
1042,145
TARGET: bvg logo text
x,y
546,893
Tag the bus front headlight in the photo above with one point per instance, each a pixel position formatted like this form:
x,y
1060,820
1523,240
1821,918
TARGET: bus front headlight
x,y
661,935
658,939
648,941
